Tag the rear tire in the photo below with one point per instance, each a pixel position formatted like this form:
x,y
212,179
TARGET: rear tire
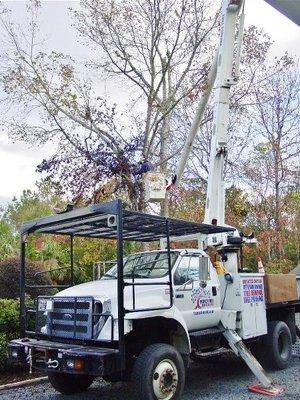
x,y
158,373
278,345
69,383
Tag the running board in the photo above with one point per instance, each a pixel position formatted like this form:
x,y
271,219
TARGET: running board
x,y
208,354
207,332
237,345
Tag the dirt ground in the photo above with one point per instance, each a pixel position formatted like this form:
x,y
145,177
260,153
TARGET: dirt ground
x,y
16,374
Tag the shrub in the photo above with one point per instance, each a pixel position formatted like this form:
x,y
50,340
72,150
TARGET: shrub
x,y
10,278
279,266
9,316
9,326
3,350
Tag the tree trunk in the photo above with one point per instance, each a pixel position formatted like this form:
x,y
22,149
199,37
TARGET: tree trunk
x,y
278,225
164,135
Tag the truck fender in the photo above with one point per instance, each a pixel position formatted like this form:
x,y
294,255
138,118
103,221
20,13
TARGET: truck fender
x,y
180,338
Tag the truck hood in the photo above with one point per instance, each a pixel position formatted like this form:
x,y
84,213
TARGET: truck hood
x,y
106,289
101,289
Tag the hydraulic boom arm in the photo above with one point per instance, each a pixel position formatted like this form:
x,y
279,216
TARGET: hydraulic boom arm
x,y
227,75
223,74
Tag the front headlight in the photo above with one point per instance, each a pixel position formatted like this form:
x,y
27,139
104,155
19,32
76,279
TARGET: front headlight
x,y
100,321
44,308
45,304
106,306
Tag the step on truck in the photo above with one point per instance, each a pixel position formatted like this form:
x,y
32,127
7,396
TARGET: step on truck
x,y
152,312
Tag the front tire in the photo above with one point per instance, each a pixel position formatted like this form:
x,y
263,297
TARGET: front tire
x,y
278,345
69,383
158,373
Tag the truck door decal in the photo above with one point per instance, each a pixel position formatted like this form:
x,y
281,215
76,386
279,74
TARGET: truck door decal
x,y
201,298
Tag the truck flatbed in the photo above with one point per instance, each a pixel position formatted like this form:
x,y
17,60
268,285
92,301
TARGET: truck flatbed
x,y
285,304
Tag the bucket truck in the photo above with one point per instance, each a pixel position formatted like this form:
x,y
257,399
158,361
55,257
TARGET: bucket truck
x,y
153,312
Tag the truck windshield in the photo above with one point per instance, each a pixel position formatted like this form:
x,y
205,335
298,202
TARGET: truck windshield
x,y
152,264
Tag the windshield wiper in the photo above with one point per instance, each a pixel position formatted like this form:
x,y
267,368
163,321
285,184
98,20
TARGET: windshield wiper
x,y
109,276
136,275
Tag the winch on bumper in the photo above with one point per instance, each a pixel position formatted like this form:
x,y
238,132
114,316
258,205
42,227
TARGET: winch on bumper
x,y
63,357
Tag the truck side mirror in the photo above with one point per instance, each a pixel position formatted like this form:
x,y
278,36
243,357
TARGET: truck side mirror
x,y
203,268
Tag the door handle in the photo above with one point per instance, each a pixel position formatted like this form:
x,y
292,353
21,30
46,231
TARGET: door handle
x,y
214,291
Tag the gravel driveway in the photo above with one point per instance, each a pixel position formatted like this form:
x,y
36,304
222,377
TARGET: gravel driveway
x,y
223,379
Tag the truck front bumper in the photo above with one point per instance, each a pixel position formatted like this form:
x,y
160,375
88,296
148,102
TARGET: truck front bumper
x,y
61,357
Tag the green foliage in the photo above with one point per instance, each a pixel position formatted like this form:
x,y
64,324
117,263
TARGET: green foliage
x,y
46,252
8,241
3,350
237,207
88,251
187,203
9,316
9,326
32,205
250,258
279,266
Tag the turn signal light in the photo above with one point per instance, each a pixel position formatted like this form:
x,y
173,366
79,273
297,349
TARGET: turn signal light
x,y
75,363
78,364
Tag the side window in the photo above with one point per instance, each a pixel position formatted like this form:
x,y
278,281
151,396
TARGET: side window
x,y
181,273
187,269
204,272
193,271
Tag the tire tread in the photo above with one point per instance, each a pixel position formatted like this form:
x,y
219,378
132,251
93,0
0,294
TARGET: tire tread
x,y
141,366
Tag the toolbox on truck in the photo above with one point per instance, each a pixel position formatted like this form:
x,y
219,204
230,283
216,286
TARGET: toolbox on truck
x,y
280,288
245,295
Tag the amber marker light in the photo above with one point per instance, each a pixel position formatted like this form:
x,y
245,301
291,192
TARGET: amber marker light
x,y
78,364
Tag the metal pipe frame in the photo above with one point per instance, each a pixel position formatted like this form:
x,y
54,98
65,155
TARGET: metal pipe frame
x,y
117,209
120,285
72,258
22,287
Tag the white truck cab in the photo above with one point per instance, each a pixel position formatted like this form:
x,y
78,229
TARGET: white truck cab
x,y
195,283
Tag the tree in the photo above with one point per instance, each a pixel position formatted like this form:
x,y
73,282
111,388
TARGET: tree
x,y
49,252
10,278
274,165
8,241
156,46
32,205
90,146
256,45
165,66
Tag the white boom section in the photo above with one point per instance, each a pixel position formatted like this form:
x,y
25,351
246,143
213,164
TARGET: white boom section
x,y
220,75
228,61
197,120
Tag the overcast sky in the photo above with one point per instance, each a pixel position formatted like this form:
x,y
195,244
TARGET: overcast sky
x,y
18,162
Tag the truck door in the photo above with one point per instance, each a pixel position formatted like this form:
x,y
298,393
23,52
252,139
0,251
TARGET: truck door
x,y
197,292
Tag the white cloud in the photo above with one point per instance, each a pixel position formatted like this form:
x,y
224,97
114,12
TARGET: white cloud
x,y
17,168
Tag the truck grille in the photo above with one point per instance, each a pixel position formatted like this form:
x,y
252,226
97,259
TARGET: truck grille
x,y
71,318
